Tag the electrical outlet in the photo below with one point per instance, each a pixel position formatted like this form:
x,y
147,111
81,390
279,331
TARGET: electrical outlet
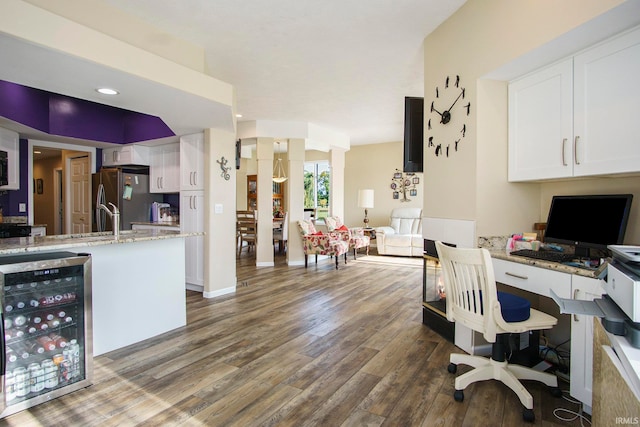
x,y
22,207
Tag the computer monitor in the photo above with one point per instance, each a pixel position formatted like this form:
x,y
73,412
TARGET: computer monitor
x,y
592,221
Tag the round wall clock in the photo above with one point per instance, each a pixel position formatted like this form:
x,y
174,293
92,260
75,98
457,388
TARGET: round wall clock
x,y
449,111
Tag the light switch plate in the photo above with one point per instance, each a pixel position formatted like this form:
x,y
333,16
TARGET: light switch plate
x,y
217,208
22,207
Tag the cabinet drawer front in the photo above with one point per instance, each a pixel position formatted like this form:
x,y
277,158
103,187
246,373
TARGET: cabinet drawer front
x,y
533,279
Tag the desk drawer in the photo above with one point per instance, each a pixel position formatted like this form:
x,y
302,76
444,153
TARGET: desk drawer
x,y
533,279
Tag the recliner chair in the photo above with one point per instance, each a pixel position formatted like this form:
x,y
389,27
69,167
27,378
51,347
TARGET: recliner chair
x,y
473,300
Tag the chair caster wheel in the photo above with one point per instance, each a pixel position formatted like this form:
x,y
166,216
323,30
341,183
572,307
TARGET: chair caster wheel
x,y
458,395
528,415
556,392
452,368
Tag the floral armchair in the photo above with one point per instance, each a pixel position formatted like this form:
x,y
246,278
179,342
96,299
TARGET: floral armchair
x,y
314,242
354,236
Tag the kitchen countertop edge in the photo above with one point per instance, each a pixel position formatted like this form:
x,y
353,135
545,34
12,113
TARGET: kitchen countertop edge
x,y
21,245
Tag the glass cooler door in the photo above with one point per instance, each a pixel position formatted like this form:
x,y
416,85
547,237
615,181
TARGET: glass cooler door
x,y
46,327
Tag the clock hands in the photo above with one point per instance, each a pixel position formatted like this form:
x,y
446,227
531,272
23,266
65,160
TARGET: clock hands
x,y
445,116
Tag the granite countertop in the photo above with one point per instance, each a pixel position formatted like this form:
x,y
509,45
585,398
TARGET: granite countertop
x,y
20,245
497,248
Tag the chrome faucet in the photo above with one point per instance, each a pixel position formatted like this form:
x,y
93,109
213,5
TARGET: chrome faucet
x,y
115,217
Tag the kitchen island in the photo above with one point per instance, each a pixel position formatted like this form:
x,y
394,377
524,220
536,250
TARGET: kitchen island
x,y
138,281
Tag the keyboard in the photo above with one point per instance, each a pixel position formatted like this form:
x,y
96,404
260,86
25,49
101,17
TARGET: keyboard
x,y
552,256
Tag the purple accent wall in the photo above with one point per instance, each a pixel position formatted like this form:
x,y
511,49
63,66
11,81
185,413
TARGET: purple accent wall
x,y
77,118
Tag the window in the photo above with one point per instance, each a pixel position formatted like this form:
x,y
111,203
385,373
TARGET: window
x,y
317,177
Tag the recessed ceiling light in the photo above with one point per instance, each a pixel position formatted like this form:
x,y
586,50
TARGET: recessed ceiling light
x,y
107,91
238,115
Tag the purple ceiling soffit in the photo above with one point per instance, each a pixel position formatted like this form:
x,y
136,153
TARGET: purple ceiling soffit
x,y
77,118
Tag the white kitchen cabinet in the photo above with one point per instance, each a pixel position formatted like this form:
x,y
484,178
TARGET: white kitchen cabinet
x,y
192,162
606,104
578,118
192,210
126,155
9,142
581,387
541,124
164,168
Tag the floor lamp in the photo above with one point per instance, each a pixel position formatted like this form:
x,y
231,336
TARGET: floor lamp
x,y
365,200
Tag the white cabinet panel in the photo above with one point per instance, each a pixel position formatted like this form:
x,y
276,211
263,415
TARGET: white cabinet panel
x,y
606,104
164,168
192,162
126,155
581,375
9,142
192,220
541,124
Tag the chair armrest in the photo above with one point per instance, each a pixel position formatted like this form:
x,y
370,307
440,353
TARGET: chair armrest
x,y
385,230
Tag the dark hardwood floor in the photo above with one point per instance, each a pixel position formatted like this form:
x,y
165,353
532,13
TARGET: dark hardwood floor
x,y
294,347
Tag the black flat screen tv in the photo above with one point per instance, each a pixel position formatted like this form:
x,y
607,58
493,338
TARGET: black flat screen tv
x,y
592,221
413,134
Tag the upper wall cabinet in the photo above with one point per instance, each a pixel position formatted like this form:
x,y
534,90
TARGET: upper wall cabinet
x,y
164,170
192,162
126,155
578,117
9,142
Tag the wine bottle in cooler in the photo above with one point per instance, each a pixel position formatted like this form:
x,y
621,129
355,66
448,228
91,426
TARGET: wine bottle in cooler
x,y
59,340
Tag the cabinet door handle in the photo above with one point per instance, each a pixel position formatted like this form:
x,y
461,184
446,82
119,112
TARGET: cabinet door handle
x,y
190,178
564,148
575,296
195,178
195,203
575,150
517,276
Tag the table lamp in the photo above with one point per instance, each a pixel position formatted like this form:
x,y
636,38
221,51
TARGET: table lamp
x,y
365,200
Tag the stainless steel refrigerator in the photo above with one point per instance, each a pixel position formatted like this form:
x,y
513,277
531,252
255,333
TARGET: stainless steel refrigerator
x,y
128,189
46,340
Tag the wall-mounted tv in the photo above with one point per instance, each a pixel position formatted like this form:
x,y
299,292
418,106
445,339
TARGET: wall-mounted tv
x,y
413,134
591,221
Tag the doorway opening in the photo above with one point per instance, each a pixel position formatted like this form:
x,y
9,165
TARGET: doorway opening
x,y
51,185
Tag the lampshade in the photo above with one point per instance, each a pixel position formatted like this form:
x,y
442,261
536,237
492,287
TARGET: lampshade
x,y
365,198
278,171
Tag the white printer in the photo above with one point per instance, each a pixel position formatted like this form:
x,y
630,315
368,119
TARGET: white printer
x,y
619,308
623,287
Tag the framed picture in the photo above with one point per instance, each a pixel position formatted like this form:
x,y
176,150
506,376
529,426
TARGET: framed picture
x,y
396,195
416,180
413,192
39,185
393,186
397,175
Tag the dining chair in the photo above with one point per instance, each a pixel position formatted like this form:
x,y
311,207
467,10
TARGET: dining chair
x,y
281,235
246,230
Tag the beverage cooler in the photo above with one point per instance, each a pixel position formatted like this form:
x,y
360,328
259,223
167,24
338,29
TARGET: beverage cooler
x,y
46,328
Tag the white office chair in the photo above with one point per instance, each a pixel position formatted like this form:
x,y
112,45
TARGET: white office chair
x,y
473,300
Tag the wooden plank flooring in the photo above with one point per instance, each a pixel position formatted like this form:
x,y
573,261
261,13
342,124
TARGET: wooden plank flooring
x,y
294,347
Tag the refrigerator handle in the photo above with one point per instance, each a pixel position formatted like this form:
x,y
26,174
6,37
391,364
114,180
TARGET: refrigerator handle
x,y
3,350
100,216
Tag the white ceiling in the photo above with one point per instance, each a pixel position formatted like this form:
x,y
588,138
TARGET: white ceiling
x,y
342,64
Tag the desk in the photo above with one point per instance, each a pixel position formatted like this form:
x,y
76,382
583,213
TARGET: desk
x,y
538,277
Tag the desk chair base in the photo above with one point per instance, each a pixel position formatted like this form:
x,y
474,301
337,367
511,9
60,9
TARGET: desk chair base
x,y
510,375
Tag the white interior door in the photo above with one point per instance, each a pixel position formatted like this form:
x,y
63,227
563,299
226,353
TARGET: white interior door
x,y
80,194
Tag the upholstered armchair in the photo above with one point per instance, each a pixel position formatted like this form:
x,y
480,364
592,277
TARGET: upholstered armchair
x,y
403,235
354,236
314,242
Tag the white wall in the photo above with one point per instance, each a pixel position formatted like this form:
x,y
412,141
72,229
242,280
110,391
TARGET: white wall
x,y
481,37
